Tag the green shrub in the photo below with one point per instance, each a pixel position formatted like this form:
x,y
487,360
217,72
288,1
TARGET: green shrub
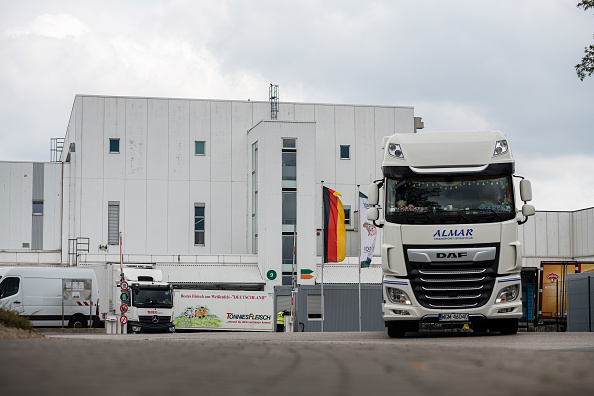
x,y
12,319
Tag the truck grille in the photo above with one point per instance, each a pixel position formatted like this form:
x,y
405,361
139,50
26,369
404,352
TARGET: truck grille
x,y
452,277
149,319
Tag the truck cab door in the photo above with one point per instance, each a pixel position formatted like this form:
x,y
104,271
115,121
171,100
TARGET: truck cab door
x,y
11,296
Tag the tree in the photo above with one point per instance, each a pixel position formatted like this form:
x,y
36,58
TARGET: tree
x,y
586,66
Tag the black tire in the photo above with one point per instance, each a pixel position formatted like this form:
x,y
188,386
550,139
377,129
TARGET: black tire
x,y
396,330
508,326
480,327
77,322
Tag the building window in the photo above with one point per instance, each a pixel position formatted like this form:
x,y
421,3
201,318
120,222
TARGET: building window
x,y
199,224
314,306
347,215
345,152
114,145
113,222
37,208
199,147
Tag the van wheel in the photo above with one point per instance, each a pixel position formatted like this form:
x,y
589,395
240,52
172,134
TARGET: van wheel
x,y
78,322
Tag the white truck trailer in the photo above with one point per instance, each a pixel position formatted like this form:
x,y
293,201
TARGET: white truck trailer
x,y
148,299
51,296
450,249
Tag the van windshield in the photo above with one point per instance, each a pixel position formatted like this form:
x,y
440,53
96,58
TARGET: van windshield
x,y
441,199
152,297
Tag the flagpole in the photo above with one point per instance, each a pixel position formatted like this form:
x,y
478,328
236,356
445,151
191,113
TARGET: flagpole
x,y
359,260
323,253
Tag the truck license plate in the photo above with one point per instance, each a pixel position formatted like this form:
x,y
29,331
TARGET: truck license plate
x,y
453,317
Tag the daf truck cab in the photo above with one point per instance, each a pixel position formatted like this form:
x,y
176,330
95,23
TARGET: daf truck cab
x,y
450,249
149,299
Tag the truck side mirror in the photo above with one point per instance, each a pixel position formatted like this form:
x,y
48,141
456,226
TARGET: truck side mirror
x,y
372,195
528,210
525,190
372,214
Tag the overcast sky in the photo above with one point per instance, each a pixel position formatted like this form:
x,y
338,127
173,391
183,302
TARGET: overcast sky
x,y
463,65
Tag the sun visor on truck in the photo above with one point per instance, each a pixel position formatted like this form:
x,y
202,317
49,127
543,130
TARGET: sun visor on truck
x,y
400,172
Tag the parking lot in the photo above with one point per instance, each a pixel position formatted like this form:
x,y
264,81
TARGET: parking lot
x,y
235,363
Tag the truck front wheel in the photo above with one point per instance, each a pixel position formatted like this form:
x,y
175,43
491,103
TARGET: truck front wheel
x,y
396,329
505,326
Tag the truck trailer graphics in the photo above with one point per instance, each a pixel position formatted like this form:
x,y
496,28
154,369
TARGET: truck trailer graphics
x,y
223,310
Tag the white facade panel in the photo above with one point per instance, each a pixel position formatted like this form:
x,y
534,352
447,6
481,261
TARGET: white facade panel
x,y
286,112
577,233
156,216
552,234
200,132
260,111
91,216
5,208
136,138
240,219
365,152
241,122
135,223
325,144
220,135
92,142
542,244
157,141
180,217
304,112
179,140
219,220
565,234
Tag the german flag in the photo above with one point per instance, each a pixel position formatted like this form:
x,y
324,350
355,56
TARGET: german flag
x,y
334,230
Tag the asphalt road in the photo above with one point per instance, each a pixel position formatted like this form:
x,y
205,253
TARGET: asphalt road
x,y
235,363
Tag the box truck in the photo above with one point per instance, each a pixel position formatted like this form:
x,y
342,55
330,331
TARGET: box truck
x,y
450,250
148,299
51,296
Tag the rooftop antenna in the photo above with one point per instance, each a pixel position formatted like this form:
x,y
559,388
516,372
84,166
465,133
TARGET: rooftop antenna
x,y
273,96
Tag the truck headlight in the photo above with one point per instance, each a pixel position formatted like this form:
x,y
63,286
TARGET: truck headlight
x,y
398,296
501,148
395,151
507,294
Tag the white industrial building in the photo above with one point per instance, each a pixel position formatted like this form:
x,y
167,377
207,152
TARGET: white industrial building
x,y
212,191
209,190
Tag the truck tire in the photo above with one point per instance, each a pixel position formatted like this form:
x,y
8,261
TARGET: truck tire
x,y
396,330
508,326
77,322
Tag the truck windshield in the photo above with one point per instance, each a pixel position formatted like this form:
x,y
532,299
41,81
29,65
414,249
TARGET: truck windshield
x,y
152,297
439,199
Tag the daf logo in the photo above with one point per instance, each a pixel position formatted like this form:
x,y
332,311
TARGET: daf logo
x,y
155,319
451,255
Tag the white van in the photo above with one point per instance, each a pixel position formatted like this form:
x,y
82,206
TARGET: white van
x,y
51,296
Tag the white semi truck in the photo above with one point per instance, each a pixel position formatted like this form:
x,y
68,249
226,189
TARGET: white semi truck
x,y
148,298
450,249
